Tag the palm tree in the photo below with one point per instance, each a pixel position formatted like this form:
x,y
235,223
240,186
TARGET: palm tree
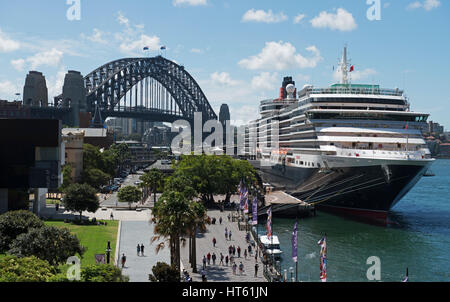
x,y
153,179
197,221
171,217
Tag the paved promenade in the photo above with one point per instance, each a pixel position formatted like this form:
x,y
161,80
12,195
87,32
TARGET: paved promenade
x,y
139,267
219,272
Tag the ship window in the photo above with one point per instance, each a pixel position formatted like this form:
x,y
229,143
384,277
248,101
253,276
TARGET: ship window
x,y
318,165
301,163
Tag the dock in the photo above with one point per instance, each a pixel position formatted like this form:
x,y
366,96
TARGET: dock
x,y
285,205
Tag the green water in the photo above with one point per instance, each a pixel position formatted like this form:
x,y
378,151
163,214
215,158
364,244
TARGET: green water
x,y
418,238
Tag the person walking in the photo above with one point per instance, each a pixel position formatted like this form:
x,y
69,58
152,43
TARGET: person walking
x,y
226,260
138,249
234,268
256,270
220,220
250,249
229,217
241,268
230,250
239,251
142,249
209,258
234,250
226,234
124,260
245,254
221,259
204,262
256,257
229,235
214,241
214,257
111,216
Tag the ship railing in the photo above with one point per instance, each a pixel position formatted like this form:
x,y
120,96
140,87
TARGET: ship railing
x,y
374,91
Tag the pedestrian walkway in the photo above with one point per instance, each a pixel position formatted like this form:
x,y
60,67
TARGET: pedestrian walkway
x,y
221,272
139,267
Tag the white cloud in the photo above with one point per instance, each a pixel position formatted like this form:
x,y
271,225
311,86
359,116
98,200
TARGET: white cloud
x,y
356,75
48,58
189,2
196,50
18,64
253,15
265,81
8,89
427,5
281,56
223,78
55,83
131,47
299,18
96,37
122,19
342,20
7,44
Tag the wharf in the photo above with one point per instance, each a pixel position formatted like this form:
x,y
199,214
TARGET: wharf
x,y
285,205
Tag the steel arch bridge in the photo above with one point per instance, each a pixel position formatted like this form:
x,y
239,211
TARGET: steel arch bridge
x,y
163,91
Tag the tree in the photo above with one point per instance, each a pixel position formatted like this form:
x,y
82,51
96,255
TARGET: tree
x,y
67,176
162,272
153,179
102,273
95,178
47,243
14,223
129,194
25,269
81,197
170,215
197,220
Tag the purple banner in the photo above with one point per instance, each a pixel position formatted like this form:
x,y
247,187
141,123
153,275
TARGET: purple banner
x,y
255,212
294,243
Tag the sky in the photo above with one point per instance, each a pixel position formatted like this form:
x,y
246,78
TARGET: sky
x,y
237,50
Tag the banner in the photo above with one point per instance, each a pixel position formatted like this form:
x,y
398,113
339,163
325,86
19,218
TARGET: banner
x,y
294,243
255,212
269,223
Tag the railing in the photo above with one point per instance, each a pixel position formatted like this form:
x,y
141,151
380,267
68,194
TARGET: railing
x,y
354,90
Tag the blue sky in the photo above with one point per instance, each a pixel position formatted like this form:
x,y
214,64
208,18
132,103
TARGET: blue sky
x,y
237,50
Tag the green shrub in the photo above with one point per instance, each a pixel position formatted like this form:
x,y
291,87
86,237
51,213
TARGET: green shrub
x,y
102,273
28,269
14,223
162,272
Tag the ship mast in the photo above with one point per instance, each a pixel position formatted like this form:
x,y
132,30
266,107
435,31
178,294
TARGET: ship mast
x,y
344,67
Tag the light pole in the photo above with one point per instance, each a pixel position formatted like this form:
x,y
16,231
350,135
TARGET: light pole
x,y
108,252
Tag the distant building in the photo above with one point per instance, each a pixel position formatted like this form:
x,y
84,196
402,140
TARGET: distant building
x,y
140,153
35,92
13,110
99,137
160,136
73,142
435,128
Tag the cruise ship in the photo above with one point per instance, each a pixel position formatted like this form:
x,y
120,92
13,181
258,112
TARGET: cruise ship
x,y
351,148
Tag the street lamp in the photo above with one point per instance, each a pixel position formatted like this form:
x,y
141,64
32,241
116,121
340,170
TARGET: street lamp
x,y
108,252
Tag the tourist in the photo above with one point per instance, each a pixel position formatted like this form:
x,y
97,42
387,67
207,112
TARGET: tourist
x,y
231,259
111,216
245,254
250,249
226,260
256,270
226,234
204,262
234,250
124,259
214,257
138,249
234,268
220,219
142,249
241,268
229,235
209,258
214,242
239,251
229,217
230,250
256,257
221,259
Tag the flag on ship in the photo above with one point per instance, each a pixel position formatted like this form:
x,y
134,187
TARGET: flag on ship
x,y
255,212
352,68
294,243
269,223
323,258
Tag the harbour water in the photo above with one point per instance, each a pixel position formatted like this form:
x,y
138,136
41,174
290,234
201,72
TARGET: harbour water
x,y
417,238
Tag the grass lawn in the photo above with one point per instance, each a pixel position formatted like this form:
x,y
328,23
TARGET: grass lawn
x,y
94,237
